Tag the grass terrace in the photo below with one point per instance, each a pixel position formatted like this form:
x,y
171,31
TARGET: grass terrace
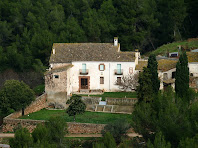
x,y
87,117
173,47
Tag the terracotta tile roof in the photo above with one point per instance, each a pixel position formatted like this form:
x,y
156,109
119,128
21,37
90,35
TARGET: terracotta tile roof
x,y
68,52
163,64
192,56
59,69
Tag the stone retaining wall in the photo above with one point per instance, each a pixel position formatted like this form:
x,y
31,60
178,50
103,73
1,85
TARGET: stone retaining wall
x,y
121,101
35,106
73,128
91,100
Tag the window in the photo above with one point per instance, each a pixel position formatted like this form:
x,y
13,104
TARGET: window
x,y
83,68
118,80
56,76
119,68
101,67
101,80
165,76
173,74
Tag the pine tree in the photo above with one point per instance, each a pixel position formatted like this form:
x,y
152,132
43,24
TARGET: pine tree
x,y
182,77
152,66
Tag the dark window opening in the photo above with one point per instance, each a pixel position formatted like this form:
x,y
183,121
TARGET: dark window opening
x,y
173,74
118,80
56,76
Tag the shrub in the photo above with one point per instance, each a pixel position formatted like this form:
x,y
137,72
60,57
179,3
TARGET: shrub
x,y
118,129
22,139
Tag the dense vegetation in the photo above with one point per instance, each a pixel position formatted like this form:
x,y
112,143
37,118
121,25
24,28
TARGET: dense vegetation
x,y
30,27
167,119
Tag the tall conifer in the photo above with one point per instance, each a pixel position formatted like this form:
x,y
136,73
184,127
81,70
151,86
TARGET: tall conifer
x,y
144,90
152,66
182,77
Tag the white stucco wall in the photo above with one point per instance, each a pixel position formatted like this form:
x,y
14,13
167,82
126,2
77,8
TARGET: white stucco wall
x,y
193,68
95,74
169,76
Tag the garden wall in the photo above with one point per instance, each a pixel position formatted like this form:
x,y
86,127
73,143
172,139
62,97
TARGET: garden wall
x,y
121,101
73,128
35,106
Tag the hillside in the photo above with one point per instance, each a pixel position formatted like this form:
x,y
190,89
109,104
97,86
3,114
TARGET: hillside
x,y
173,47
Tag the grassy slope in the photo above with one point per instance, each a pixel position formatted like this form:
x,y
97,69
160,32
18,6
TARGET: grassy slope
x,y
87,117
173,47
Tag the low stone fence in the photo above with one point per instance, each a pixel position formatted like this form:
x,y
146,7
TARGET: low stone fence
x,y
121,101
86,128
73,128
91,100
35,106
10,124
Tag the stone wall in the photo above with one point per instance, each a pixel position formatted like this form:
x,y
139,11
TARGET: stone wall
x,y
121,101
73,128
10,124
35,106
91,100
85,128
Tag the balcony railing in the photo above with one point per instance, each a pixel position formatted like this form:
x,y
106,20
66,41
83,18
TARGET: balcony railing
x,y
83,71
118,71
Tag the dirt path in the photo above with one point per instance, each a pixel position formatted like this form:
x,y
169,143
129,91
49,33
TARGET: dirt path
x,y
11,135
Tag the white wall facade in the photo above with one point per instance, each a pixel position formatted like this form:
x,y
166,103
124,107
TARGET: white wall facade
x,y
94,74
169,76
193,69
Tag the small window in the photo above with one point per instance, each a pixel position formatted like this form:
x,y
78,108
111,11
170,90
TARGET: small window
x,y
56,76
165,76
101,80
118,80
173,74
101,67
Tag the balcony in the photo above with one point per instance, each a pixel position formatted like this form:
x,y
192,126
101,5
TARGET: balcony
x,y
118,71
83,71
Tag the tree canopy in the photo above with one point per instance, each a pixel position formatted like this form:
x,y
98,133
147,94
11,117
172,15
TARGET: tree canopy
x,y
30,27
15,95
182,77
76,106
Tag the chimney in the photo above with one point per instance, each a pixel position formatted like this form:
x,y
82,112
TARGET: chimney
x,y
115,41
53,51
137,55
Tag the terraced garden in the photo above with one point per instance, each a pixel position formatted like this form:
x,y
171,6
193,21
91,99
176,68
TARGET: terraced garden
x,y
87,117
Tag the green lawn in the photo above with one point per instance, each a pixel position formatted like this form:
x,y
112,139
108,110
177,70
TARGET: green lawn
x,y
87,117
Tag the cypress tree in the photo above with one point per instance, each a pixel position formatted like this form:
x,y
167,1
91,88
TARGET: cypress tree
x,y
182,77
144,90
152,66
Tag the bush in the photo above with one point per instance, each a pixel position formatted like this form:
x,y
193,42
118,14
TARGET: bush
x,y
22,139
118,129
57,129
